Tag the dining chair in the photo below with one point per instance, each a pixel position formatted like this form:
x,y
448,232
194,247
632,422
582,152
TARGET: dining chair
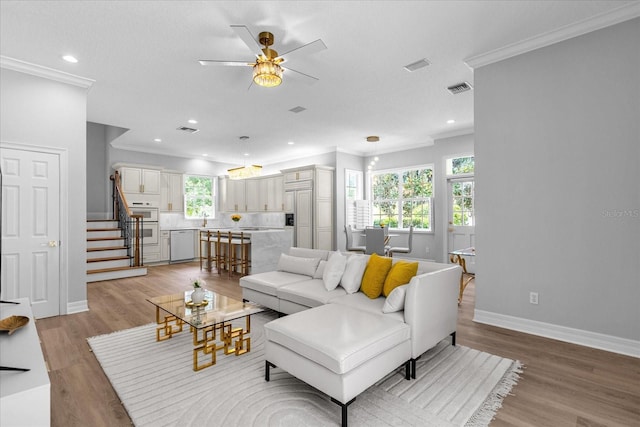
x,y
375,241
401,249
350,247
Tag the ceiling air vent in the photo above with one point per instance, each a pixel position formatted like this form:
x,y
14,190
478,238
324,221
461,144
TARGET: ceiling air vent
x,y
416,65
459,88
188,129
297,109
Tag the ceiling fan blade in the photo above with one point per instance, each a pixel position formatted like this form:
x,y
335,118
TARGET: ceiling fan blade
x,y
248,38
306,49
302,76
228,63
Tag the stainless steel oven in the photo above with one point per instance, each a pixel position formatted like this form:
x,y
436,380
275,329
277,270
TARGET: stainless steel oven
x,y
150,227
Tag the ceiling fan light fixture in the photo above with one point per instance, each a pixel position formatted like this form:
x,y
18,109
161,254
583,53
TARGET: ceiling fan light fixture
x,y
267,73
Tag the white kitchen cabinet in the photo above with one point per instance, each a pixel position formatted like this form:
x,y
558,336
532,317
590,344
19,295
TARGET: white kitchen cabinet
x,y
139,180
233,196
274,192
164,245
253,188
171,192
151,253
308,193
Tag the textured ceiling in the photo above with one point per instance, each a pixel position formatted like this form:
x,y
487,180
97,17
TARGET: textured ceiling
x,y
144,56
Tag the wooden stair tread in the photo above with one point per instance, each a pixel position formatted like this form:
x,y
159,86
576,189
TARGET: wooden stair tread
x,y
97,239
106,248
112,258
102,220
106,270
103,229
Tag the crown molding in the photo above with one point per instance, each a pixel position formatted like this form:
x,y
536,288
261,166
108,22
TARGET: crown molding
x,y
606,19
44,72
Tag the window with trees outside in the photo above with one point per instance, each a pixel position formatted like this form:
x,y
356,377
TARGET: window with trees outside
x,y
461,170
403,198
199,196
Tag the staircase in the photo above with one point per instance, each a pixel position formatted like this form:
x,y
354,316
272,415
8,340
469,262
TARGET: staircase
x,y
107,256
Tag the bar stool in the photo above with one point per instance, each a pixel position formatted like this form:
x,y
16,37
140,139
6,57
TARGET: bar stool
x,y
239,243
223,251
206,244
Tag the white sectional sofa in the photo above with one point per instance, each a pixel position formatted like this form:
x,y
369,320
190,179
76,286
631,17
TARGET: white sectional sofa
x,y
317,344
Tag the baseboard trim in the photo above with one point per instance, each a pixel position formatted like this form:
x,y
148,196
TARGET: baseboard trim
x,y
562,333
77,307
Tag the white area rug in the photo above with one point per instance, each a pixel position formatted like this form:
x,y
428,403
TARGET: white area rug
x,y
456,386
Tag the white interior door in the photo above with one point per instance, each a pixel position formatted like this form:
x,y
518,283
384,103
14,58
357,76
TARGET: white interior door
x,y
31,229
462,221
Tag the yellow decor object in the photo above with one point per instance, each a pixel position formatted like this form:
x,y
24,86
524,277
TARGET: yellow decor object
x,y
400,274
375,275
235,217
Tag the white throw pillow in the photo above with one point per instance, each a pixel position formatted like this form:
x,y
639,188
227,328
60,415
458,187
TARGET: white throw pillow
x,y
395,300
353,272
333,270
320,270
298,265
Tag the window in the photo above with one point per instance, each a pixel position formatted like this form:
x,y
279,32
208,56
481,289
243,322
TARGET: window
x,y
462,190
462,195
357,210
199,196
403,198
461,165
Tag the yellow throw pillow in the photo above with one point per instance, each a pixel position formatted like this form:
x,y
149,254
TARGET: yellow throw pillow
x,y
374,275
400,274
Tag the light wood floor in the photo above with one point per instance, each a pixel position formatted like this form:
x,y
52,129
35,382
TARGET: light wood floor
x,y
562,384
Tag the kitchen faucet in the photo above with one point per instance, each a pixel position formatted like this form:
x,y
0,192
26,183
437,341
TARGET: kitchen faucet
x,y
204,219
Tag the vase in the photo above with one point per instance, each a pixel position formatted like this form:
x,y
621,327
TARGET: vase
x,y
197,296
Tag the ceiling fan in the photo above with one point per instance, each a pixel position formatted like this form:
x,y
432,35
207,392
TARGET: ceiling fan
x,y
267,68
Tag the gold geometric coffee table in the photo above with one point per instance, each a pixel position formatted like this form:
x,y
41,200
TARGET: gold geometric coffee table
x,y
209,323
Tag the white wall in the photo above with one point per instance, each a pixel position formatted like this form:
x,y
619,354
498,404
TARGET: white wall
x,y
343,161
43,112
557,188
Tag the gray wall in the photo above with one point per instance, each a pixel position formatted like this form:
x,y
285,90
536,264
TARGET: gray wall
x,y
97,195
47,113
557,183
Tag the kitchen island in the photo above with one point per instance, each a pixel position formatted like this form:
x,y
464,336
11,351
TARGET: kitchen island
x,y
266,245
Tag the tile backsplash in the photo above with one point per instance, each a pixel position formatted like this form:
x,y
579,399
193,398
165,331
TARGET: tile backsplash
x,y
223,220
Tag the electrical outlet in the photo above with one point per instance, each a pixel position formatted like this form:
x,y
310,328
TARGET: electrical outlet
x,y
427,250
533,298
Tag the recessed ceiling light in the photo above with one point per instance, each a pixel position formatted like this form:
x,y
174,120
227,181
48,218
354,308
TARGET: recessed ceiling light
x,y
290,142
205,154
70,58
451,121
157,140
246,154
192,121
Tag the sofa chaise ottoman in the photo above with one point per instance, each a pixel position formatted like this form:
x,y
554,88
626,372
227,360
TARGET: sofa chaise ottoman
x,y
337,349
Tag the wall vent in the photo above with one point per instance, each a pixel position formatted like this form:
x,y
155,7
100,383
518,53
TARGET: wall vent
x,y
188,129
416,65
459,88
297,109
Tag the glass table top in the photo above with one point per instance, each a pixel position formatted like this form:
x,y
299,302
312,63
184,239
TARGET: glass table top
x,y
219,308
464,252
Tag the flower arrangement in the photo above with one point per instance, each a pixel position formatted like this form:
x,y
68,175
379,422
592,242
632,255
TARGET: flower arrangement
x,y
235,217
198,283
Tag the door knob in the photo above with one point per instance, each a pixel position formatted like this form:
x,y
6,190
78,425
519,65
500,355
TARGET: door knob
x,y
53,243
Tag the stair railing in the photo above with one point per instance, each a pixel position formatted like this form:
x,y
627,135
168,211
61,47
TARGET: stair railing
x,y
129,223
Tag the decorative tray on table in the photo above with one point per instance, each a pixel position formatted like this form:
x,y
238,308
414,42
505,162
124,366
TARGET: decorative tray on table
x,y
191,304
13,323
